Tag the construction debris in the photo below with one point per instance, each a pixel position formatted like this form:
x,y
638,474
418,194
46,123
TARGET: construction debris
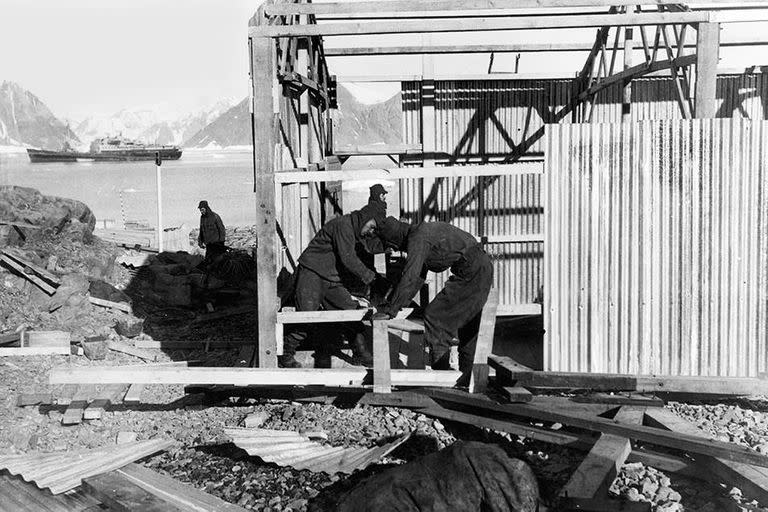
x,y
286,448
61,472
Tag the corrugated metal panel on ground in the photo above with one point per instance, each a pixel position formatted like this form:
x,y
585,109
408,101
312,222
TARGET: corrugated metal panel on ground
x,y
657,247
63,471
289,448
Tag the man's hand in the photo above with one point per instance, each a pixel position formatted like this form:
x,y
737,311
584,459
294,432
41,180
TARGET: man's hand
x,y
384,312
378,315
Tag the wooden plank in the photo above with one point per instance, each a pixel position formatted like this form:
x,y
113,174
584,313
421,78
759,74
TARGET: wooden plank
x,y
133,395
20,224
183,496
263,79
408,6
604,398
33,351
516,394
570,46
652,435
59,339
515,169
27,399
35,279
403,399
377,149
73,415
189,345
341,377
303,317
122,495
506,364
598,469
478,24
707,55
752,480
382,379
120,306
40,271
109,395
478,380
119,346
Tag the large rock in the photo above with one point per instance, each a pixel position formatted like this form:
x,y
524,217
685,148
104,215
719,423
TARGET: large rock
x,y
55,215
464,476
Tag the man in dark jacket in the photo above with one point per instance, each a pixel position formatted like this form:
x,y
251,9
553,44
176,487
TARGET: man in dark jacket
x,y
212,232
453,316
318,284
378,195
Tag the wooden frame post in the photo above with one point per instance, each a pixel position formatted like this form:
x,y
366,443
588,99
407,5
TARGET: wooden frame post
x,y
263,79
626,104
707,56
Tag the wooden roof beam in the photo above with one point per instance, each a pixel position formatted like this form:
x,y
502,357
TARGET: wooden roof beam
x,y
506,48
478,24
431,6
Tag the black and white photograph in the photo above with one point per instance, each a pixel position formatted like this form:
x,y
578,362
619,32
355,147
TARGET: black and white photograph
x,y
383,255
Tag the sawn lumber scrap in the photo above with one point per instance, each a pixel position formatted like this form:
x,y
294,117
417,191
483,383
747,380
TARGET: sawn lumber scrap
x,y
118,346
598,469
246,376
181,495
122,495
22,268
509,373
120,306
680,441
752,480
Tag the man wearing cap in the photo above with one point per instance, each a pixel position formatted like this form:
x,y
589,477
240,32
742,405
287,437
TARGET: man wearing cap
x,y
378,195
212,232
453,316
318,284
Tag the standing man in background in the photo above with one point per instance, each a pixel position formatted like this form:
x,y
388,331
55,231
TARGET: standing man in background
x,y
212,233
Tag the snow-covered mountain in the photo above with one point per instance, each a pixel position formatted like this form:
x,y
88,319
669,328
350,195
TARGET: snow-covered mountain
x,y
27,121
156,124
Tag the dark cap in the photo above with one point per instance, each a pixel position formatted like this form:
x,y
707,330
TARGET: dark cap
x,y
377,190
203,204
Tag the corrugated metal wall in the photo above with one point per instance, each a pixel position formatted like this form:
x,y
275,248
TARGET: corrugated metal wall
x,y
656,254
485,120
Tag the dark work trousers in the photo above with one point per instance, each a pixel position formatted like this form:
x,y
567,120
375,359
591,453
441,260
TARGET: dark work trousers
x,y
312,294
212,251
455,312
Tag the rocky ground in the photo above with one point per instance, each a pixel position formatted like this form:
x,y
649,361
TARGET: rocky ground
x,y
203,457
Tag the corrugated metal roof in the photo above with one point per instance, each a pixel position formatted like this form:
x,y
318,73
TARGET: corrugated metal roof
x,y
63,471
288,448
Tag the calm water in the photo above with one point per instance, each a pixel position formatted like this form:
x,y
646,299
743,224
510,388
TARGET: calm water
x,y
119,191
126,190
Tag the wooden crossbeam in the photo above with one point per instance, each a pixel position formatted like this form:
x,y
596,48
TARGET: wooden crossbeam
x,y
364,51
598,469
680,441
382,379
478,24
331,8
752,480
248,376
515,169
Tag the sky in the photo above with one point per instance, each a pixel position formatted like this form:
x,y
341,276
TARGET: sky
x,y
96,57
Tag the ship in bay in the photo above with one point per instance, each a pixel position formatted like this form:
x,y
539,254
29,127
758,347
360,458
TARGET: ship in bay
x,y
107,149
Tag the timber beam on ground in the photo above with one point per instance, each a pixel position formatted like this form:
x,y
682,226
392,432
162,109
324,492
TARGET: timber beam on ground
x,y
352,377
675,440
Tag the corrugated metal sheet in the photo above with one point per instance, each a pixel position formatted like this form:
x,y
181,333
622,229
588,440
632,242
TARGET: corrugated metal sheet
x,y
656,243
288,448
488,120
62,471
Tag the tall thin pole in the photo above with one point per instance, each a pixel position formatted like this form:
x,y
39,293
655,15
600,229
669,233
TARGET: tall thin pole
x,y
158,163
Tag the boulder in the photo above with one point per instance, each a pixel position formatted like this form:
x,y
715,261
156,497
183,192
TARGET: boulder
x,y
464,476
55,215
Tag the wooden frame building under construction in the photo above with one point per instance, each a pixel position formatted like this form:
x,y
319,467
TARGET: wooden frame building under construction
x,y
615,204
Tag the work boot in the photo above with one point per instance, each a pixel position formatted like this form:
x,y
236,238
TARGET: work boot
x,y
360,352
288,361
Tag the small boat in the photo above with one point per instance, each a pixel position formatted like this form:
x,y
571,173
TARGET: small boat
x,y
107,149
